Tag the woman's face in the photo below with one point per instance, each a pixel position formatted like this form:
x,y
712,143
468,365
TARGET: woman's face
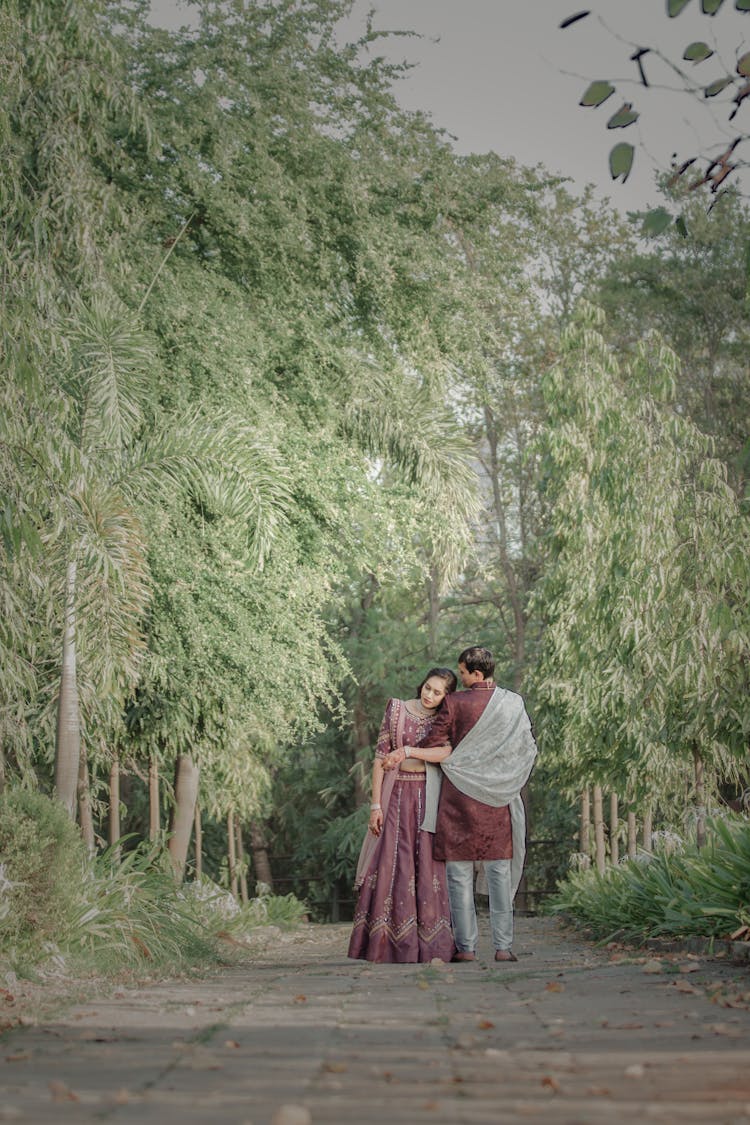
x,y
433,693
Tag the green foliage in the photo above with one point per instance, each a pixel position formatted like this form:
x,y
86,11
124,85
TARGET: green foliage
x,y
41,860
702,891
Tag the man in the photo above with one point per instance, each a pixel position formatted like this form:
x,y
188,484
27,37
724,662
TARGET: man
x,y
483,740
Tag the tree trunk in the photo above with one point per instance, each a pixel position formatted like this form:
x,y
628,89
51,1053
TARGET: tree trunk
x,y
648,820
232,854
115,831
700,798
154,819
2,771
433,600
599,830
183,813
584,846
614,824
632,836
241,861
198,838
68,740
85,817
261,860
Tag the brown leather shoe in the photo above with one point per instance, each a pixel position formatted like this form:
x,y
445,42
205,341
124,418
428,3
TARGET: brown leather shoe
x,y
464,957
505,955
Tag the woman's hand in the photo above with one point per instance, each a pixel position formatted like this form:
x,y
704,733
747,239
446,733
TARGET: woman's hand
x,y
376,821
395,758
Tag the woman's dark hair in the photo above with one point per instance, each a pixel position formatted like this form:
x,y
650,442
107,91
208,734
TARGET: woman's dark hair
x,y
451,683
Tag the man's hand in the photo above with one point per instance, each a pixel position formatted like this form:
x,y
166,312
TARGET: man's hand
x,y
394,759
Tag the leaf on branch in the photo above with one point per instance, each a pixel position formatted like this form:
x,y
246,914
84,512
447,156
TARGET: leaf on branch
x,y
621,161
656,222
716,87
674,7
574,19
697,52
681,225
742,5
743,65
711,7
625,116
597,93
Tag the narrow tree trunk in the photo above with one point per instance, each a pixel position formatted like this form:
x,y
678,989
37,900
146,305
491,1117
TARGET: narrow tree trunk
x,y
614,824
2,771
599,830
154,819
198,838
700,798
584,845
85,816
632,836
261,860
115,831
648,820
68,740
232,853
241,861
433,599
183,813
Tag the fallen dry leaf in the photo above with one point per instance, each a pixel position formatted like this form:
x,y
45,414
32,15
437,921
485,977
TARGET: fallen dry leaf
x,y
334,1067
231,1043
301,999
550,1083
554,986
122,1097
599,1092
726,1029
62,1093
653,966
423,984
690,967
485,1025
20,1056
635,1070
683,986
292,1115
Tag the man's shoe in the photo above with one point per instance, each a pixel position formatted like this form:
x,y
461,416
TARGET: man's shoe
x,y
464,957
505,955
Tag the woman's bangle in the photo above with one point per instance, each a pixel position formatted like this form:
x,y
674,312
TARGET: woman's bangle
x,y
375,808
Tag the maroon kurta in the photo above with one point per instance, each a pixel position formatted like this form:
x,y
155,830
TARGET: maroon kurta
x,y
466,828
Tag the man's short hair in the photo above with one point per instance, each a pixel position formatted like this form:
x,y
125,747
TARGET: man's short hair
x,y
478,659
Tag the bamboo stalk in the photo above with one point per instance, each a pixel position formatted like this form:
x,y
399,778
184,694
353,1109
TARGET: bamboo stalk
x,y
241,861
232,853
115,830
648,820
584,845
599,829
153,799
198,841
614,824
632,836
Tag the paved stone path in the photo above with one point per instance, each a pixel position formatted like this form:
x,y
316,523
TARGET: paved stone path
x,y
301,1035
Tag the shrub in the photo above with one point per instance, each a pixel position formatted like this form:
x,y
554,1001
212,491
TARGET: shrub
x,y
42,858
703,891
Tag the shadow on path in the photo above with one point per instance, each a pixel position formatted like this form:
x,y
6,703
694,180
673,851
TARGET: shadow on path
x,y
299,1034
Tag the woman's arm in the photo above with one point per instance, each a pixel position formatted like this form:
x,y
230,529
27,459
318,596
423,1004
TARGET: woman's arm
x,y
376,813
421,753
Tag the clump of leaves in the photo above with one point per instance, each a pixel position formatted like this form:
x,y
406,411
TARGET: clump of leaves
x,y
703,891
42,861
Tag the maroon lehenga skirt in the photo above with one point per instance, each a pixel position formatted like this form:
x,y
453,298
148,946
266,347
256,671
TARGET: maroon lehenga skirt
x,y
402,913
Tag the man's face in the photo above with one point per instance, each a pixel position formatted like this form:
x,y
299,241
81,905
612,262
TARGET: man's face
x,y
465,676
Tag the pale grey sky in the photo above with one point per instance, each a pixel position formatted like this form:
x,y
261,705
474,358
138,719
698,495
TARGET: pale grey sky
x,y
500,75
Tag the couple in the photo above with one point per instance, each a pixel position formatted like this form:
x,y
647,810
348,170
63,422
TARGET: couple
x,y
430,822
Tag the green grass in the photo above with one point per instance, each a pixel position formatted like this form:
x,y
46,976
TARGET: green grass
x,y
696,891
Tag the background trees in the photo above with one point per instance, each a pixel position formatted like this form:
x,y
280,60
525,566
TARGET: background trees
x,y
291,414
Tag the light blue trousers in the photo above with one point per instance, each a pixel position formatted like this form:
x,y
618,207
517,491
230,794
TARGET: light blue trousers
x,y
460,876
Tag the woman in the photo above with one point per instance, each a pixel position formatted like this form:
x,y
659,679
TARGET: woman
x,y
402,914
